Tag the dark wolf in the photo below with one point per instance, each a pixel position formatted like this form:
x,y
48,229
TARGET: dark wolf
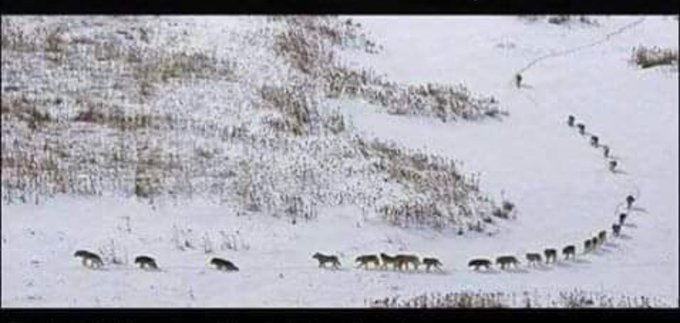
x,y
222,264
432,262
323,259
616,229
366,259
629,201
594,242
89,257
570,120
569,250
404,260
386,259
602,236
594,141
533,258
612,165
486,263
507,260
146,261
550,254
581,128
587,245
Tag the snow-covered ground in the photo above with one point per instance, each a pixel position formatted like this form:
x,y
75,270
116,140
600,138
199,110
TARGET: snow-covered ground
x,y
560,185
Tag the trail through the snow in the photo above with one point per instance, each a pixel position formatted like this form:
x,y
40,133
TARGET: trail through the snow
x,y
578,48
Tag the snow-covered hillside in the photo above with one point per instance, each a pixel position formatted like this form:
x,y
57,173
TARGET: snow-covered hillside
x,y
180,137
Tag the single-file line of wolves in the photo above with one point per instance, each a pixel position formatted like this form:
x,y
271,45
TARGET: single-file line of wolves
x,y
402,261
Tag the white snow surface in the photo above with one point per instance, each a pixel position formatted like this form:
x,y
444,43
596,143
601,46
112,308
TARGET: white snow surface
x,y
560,185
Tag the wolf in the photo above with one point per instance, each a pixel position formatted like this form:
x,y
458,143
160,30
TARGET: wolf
x,y
594,141
223,264
388,260
533,258
507,260
432,262
612,165
91,257
550,254
605,148
622,218
366,259
629,201
581,128
323,259
569,250
587,245
518,80
594,242
146,261
404,260
570,120
602,236
616,229
486,263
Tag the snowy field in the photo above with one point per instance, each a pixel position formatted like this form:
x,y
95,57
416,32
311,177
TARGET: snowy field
x,y
561,186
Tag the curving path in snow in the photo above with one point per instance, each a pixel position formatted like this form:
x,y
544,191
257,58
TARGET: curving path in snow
x,y
560,184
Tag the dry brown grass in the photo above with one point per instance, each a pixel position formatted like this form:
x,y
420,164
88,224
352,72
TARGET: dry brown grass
x,y
293,103
647,57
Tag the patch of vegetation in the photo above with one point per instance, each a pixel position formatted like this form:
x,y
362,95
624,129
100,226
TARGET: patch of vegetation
x,y
294,104
24,109
647,57
447,197
569,299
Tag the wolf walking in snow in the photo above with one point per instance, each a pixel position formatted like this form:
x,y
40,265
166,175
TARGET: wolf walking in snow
x,y
594,242
594,141
602,236
622,218
587,245
89,257
507,261
323,259
569,250
404,260
222,264
550,254
486,263
629,201
533,258
518,80
432,262
581,128
605,148
616,229
366,259
571,120
612,165
146,262
386,259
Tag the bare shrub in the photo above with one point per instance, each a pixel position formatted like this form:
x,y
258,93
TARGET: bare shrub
x,y
293,103
562,20
438,100
305,55
563,299
112,253
25,109
448,196
647,57
14,38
